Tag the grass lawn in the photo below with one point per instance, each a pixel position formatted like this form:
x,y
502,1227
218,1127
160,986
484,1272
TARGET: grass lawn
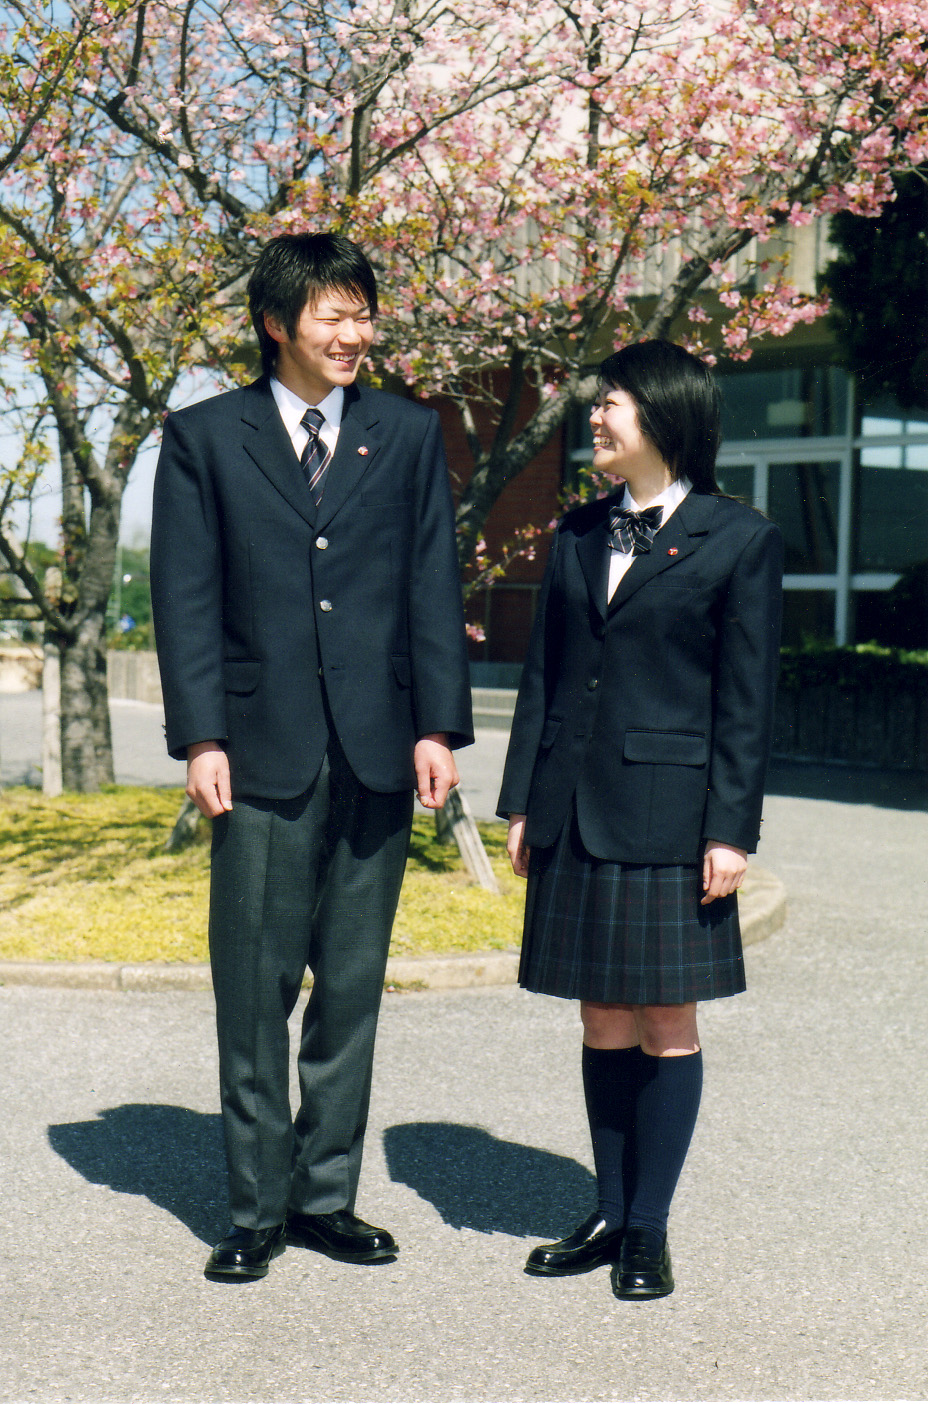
x,y
86,877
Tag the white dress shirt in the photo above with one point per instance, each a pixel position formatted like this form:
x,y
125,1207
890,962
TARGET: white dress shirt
x,y
292,409
669,499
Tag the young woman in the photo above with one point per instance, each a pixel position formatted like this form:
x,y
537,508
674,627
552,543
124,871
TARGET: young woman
x,y
634,782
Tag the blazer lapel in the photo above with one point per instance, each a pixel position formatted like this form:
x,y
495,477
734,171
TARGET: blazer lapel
x,y
357,447
267,442
683,534
593,555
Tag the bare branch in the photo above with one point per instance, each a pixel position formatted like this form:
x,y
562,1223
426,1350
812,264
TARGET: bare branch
x,y
21,569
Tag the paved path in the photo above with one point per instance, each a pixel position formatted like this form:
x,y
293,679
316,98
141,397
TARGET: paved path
x,y
798,1230
139,757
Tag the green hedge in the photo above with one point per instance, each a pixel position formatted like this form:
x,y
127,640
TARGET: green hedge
x,y
866,665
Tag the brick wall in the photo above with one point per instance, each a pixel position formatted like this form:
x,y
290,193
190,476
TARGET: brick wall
x,y
531,499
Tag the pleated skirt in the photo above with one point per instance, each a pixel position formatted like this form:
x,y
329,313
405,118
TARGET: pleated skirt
x,y
625,933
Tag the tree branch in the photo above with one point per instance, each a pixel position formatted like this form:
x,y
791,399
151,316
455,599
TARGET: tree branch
x,y
21,569
10,158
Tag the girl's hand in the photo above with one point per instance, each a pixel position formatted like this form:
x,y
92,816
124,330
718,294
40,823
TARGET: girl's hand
x,y
723,870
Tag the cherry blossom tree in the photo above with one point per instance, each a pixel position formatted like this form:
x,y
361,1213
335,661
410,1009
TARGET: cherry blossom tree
x,y
533,179
534,182
99,315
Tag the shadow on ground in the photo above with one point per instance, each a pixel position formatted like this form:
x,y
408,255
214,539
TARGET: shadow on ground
x,y
478,1182
171,1155
845,784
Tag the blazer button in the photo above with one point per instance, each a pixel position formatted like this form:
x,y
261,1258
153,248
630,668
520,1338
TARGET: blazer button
x,y
593,684
325,606
322,542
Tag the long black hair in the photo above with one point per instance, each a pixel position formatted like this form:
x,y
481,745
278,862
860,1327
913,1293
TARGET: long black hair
x,y
678,405
295,269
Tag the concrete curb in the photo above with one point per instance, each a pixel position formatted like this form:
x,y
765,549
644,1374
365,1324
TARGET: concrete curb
x,y
762,908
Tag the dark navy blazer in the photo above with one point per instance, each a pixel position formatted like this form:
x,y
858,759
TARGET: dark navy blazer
x,y
266,606
655,709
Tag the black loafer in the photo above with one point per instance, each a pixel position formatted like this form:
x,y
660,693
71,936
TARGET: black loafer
x,y
245,1253
593,1242
341,1235
643,1270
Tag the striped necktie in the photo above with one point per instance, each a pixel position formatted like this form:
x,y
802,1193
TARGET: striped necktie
x,y
633,531
314,460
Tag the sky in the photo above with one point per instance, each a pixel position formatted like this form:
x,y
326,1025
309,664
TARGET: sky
x,y
135,526
136,506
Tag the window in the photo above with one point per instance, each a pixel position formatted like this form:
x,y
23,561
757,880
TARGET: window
x,y
793,403
802,498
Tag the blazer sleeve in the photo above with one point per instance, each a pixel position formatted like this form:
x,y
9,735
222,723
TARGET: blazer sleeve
x,y
531,704
186,593
746,670
438,639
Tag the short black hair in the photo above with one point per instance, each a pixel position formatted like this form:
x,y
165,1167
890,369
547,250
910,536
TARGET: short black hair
x,y
678,405
295,269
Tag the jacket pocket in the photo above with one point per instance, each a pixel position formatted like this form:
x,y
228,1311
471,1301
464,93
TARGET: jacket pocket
x,y
389,503
549,734
240,675
402,669
666,747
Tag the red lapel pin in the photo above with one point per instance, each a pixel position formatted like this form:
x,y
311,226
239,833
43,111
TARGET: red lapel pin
x,y
362,449
672,551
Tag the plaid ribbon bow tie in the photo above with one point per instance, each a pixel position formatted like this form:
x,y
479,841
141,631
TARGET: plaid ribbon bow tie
x,y
633,531
315,457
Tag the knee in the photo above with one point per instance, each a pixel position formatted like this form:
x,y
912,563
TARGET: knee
x,y
668,1028
608,1025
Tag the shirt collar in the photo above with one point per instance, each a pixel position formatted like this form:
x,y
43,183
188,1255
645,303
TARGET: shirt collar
x,y
292,408
669,499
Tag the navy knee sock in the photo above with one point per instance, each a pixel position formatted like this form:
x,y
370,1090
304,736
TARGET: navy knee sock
x,y
665,1115
611,1079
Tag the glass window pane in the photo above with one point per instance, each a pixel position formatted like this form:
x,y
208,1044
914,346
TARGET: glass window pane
x,y
737,479
882,457
882,414
803,500
784,404
891,517
873,424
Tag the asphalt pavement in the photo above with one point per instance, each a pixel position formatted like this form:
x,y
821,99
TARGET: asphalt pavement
x,y
139,756
797,1232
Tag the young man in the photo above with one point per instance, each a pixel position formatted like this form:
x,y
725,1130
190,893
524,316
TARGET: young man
x,y
311,641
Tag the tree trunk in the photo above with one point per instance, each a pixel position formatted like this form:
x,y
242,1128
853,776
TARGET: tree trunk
x,y
497,468
86,740
90,558
90,546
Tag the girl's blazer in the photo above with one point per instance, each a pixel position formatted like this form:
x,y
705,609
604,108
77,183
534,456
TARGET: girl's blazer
x,y
656,710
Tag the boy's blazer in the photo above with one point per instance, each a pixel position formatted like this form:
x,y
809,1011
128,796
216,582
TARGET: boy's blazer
x,y
656,709
259,596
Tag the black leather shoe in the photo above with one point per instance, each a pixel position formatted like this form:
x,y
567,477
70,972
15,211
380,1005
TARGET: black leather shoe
x,y
643,1270
245,1252
341,1235
593,1242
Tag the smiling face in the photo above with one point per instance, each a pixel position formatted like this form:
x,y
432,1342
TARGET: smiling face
x,y
333,335
620,449
617,435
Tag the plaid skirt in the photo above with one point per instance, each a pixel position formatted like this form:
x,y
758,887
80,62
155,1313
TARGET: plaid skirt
x,y
625,933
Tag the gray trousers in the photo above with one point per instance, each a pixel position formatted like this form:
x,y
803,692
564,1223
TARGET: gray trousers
x,y
312,881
